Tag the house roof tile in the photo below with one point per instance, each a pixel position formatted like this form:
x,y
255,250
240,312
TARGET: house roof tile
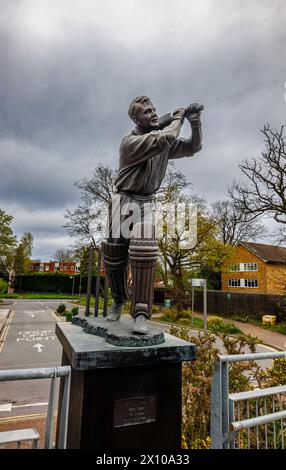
x,y
268,253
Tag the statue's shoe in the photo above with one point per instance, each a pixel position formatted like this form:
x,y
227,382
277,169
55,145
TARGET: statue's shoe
x,y
140,326
114,312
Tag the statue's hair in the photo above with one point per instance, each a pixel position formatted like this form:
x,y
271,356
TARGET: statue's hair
x,y
133,105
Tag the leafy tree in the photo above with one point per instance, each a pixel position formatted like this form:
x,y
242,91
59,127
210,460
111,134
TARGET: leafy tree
x,y
82,256
7,248
19,260
14,259
23,254
179,262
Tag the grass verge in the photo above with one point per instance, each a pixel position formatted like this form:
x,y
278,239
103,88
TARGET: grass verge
x,y
214,324
30,295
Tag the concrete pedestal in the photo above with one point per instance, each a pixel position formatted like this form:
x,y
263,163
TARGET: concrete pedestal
x,y
123,397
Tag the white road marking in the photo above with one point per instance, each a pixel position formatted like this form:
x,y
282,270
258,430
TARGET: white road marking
x,y
35,335
30,404
6,407
5,331
39,346
10,406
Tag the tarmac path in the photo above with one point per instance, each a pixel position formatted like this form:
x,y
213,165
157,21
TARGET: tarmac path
x,y
29,342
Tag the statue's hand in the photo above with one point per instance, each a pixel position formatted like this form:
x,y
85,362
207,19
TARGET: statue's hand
x,y
179,113
193,111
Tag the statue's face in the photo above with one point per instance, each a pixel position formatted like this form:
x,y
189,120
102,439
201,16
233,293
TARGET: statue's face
x,y
146,117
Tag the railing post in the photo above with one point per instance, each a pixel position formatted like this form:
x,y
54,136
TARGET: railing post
x,y
64,412
224,404
50,414
216,412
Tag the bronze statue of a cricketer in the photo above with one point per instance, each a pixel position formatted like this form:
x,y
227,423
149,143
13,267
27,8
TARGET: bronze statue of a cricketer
x,y
144,156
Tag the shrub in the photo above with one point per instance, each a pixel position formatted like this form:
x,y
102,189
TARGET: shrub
x,y
10,296
217,325
74,311
197,381
61,309
170,312
3,286
68,315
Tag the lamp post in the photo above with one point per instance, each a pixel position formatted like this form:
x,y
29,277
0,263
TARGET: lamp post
x,y
89,280
72,277
79,289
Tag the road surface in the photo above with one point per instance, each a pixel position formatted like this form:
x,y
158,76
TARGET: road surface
x,y
30,341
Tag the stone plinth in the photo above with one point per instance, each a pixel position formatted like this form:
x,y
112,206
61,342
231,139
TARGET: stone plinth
x,y
123,397
119,333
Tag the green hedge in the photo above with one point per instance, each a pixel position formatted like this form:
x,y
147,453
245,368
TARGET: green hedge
x,y
3,286
52,282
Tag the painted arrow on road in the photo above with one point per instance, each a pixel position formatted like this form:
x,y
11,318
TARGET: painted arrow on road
x,y
39,346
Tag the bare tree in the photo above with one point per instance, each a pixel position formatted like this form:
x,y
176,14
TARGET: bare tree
x,y
234,225
263,192
64,255
100,186
88,221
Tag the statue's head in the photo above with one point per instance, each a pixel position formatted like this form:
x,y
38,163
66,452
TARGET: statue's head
x,y
143,113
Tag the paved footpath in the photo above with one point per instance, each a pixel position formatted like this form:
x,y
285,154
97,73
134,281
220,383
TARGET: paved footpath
x,y
271,338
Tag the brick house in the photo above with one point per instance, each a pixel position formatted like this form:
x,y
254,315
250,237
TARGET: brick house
x,y
55,266
256,268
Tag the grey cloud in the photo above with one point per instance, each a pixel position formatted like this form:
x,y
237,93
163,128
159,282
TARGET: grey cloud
x,y
37,178
70,71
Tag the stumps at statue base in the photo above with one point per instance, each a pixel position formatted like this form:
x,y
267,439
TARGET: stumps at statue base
x,y
123,397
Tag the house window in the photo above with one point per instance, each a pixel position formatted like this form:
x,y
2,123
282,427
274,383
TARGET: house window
x,y
47,268
65,268
61,268
234,283
250,267
72,268
234,267
251,282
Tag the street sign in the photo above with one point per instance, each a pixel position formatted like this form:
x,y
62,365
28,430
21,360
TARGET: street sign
x,y
198,282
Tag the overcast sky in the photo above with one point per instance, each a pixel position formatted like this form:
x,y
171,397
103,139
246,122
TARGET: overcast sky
x,y
69,69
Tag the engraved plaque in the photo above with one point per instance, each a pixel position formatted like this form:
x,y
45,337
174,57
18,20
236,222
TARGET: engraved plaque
x,y
132,411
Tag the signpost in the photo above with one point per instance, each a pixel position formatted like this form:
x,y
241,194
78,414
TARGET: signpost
x,y
200,283
73,278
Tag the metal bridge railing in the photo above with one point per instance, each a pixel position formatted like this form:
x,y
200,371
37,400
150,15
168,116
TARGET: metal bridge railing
x,y
44,373
251,419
